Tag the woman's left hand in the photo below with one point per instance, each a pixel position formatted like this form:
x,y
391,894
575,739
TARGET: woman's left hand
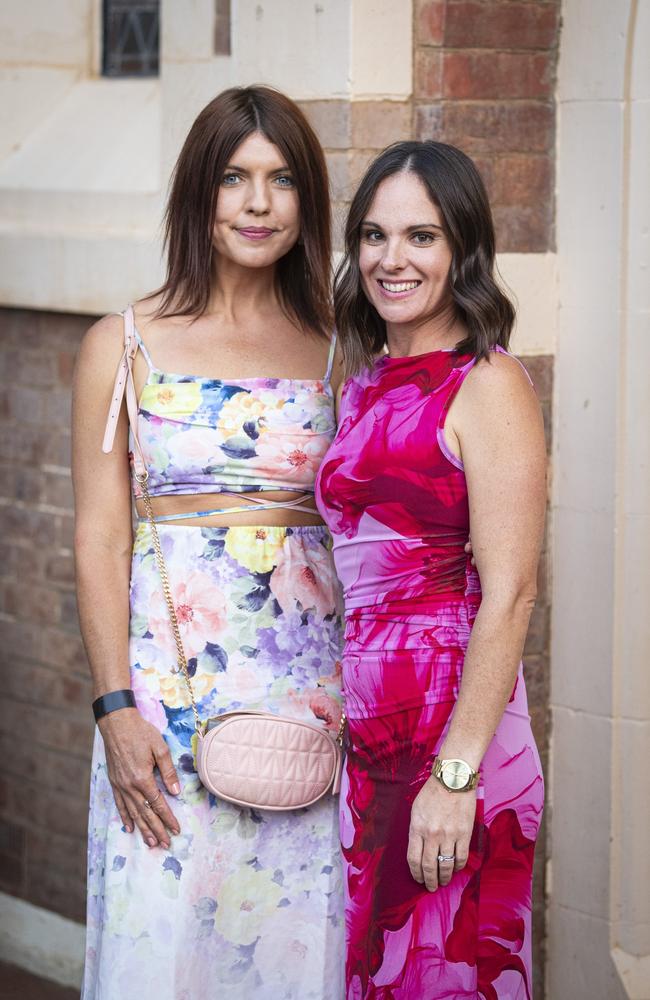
x,y
441,823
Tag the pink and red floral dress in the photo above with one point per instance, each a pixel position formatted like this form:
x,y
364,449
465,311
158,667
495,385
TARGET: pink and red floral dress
x,y
395,499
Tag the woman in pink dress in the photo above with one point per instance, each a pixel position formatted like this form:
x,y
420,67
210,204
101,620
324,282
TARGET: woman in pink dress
x,y
440,434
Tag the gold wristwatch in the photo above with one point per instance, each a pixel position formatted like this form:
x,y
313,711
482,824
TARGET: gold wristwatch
x,y
455,775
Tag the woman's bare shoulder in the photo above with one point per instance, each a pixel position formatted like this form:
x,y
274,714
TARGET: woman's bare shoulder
x,y
498,380
101,346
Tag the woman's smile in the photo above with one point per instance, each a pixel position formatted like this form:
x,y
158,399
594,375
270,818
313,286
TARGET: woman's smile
x,y
397,289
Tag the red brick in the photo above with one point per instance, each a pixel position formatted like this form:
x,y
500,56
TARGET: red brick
x,y
19,984
48,729
32,684
538,631
523,179
67,854
20,638
330,120
56,770
12,873
12,837
543,579
222,28
24,523
58,407
427,80
376,124
489,127
54,890
25,561
35,368
69,612
60,569
29,484
540,369
501,26
58,490
39,605
65,651
428,122
28,444
359,163
430,22
500,75
60,449
522,230
537,677
46,332
27,404
65,362
539,725
52,809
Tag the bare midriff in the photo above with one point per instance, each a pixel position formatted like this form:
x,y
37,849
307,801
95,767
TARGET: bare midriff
x,y
251,513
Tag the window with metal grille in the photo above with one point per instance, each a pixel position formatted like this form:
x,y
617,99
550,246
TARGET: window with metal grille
x,y
131,31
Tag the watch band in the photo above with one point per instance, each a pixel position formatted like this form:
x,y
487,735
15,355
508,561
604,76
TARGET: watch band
x,y
112,701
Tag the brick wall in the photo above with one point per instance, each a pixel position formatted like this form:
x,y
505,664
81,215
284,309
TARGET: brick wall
x,y
484,78
45,721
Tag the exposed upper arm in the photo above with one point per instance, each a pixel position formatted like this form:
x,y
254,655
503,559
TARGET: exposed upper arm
x,y
498,422
101,482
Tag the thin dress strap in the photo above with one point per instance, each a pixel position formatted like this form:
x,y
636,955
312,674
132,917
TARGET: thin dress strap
x,y
142,346
330,357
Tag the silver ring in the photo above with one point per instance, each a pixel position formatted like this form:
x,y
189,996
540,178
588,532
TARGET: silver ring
x,y
446,857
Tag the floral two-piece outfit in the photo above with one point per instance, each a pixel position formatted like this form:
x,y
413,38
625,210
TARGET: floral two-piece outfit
x,y
244,903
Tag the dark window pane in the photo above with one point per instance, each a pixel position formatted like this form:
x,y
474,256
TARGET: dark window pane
x,y
131,33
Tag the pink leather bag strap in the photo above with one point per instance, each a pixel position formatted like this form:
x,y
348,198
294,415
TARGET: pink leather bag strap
x,y
124,384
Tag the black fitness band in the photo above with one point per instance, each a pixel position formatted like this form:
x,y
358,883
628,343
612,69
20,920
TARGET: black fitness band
x,y
112,701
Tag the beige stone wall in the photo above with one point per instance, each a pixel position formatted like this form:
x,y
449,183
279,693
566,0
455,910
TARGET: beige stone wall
x,y
599,944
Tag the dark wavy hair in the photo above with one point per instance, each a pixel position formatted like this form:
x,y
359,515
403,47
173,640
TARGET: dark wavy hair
x,y
303,275
455,186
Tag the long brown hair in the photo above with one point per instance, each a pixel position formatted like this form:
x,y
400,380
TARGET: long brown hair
x,y
455,186
303,274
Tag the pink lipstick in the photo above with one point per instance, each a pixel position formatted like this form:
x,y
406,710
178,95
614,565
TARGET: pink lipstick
x,y
255,233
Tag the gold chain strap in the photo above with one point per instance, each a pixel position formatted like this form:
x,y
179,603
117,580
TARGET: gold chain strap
x,y
167,591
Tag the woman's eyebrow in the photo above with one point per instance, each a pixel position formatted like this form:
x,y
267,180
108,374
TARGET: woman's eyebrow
x,y
409,229
243,170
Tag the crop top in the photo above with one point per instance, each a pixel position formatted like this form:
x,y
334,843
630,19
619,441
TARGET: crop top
x,y
194,434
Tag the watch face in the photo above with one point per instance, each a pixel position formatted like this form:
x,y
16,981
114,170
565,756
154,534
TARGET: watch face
x,y
456,774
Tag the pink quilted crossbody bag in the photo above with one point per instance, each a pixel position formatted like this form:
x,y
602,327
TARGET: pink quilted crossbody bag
x,y
254,759
268,761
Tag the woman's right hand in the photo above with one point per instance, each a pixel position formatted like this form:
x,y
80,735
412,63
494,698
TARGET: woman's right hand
x,y
134,747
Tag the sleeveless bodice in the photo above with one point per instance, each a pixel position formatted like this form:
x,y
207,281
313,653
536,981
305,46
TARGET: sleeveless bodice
x,y
206,435
391,492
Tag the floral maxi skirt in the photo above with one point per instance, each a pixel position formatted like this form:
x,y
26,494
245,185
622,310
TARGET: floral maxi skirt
x,y
245,903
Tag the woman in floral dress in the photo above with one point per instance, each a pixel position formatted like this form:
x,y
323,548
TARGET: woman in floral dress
x,y
443,792
228,373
